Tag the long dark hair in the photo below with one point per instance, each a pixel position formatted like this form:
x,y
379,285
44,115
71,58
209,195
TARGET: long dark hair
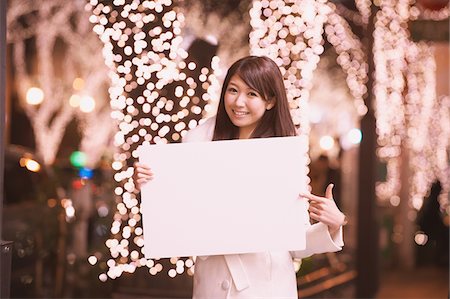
x,y
263,75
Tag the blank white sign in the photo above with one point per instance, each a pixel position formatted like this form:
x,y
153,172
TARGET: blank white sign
x,y
224,197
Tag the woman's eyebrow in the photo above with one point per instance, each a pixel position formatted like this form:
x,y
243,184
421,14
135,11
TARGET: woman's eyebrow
x,y
245,87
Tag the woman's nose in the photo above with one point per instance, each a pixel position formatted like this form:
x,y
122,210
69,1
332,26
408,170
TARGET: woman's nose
x,y
240,100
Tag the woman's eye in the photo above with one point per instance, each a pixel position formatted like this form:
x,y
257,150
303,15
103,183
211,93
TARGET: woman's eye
x,y
253,94
231,89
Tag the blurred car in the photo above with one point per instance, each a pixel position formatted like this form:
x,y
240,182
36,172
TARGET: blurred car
x,y
31,208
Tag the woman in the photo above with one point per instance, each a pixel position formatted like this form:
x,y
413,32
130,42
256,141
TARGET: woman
x,y
253,104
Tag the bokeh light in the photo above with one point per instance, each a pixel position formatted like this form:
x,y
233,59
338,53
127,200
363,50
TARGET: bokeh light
x,y
35,96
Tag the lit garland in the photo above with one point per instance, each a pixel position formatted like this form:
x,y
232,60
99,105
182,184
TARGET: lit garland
x,y
359,17
417,11
392,45
48,88
291,33
332,111
428,14
47,140
348,14
419,111
410,116
389,47
395,61
350,50
364,9
157,93
351,57
428,130
213,27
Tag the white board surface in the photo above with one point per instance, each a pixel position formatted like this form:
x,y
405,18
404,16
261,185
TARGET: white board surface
x,y
224,197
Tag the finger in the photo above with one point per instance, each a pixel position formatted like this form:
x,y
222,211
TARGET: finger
x,y
302,196
314,210
142,182
312,197
141,165
137,164
140,170
316,205
144,175
314,216
144,179
329,191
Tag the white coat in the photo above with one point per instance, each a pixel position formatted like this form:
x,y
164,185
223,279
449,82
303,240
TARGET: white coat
x,y
254,275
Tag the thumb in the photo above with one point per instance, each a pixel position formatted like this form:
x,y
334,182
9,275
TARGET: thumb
x,y
329,191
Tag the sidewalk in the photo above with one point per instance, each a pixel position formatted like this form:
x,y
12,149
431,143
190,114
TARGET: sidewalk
x,y
429,283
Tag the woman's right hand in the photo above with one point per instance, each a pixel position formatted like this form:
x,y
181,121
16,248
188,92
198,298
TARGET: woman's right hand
x,y
142,174
325,210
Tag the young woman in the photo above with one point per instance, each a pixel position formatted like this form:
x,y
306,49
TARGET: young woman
x,y
253,104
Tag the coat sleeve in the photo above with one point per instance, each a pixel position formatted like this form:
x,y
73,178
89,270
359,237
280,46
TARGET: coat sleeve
x,y
319,240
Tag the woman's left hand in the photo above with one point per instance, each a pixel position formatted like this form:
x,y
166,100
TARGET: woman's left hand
x,y
324,209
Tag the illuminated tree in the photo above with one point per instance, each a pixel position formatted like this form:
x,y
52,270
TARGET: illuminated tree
x,y
59,74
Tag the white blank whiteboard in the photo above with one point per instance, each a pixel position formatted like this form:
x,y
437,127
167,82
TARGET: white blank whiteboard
x,y
224,197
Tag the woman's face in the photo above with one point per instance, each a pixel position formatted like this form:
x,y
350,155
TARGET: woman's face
x,y
244,106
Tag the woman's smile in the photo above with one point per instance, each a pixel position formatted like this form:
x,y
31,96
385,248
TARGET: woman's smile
x,y
244,105
239,113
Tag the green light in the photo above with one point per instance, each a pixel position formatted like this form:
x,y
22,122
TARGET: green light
x,y
78,159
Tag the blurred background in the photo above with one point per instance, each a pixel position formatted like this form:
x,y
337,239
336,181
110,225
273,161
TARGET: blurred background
x,y
88,81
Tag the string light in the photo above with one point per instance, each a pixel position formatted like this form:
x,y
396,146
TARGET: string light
x,y
364,9
411,118
423,13
157,93
35,96
50,96
213,27
389,84
30,164
354,136
351,57
326,142
290,32
87,104
399,101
